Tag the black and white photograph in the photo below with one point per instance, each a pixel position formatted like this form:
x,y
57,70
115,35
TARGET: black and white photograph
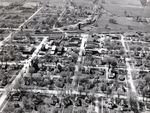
x,y
74,56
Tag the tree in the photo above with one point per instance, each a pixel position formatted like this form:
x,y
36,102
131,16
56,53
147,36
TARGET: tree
x,y
31,70
42,109
18,57
19,110
112,21
59,84
121,52
133,102
30,38
110,61
28,103
119,92
18,85
80,89
34,63
103,1
146,92
71,66
24,101
9,108
79,26
74,56
55,110
147,79
104,87
108,91
130,27
58,24
81,110
144,2
125,13
6,58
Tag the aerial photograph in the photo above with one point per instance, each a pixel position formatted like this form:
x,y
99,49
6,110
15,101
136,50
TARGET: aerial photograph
x,y
74,56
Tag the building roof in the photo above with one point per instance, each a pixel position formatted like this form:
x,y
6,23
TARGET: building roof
x,y
31,4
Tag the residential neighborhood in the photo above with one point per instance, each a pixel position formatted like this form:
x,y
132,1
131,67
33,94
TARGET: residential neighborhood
x,y
65,56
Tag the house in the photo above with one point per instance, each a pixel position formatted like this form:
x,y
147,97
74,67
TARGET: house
x,y
16,96
53,50
31,5
28,50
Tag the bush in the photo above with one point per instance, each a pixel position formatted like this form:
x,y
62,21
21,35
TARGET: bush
x,y
113,21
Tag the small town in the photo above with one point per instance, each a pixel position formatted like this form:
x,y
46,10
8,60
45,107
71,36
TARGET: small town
x,y
74,56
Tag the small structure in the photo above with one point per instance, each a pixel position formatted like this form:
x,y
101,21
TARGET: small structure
x,y
31,5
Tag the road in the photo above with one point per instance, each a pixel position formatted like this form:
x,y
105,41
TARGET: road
x,y
24,70
130,79
60,18
84,21
13,62
29,18
16,29
26,66
97,110
82,47
19,28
